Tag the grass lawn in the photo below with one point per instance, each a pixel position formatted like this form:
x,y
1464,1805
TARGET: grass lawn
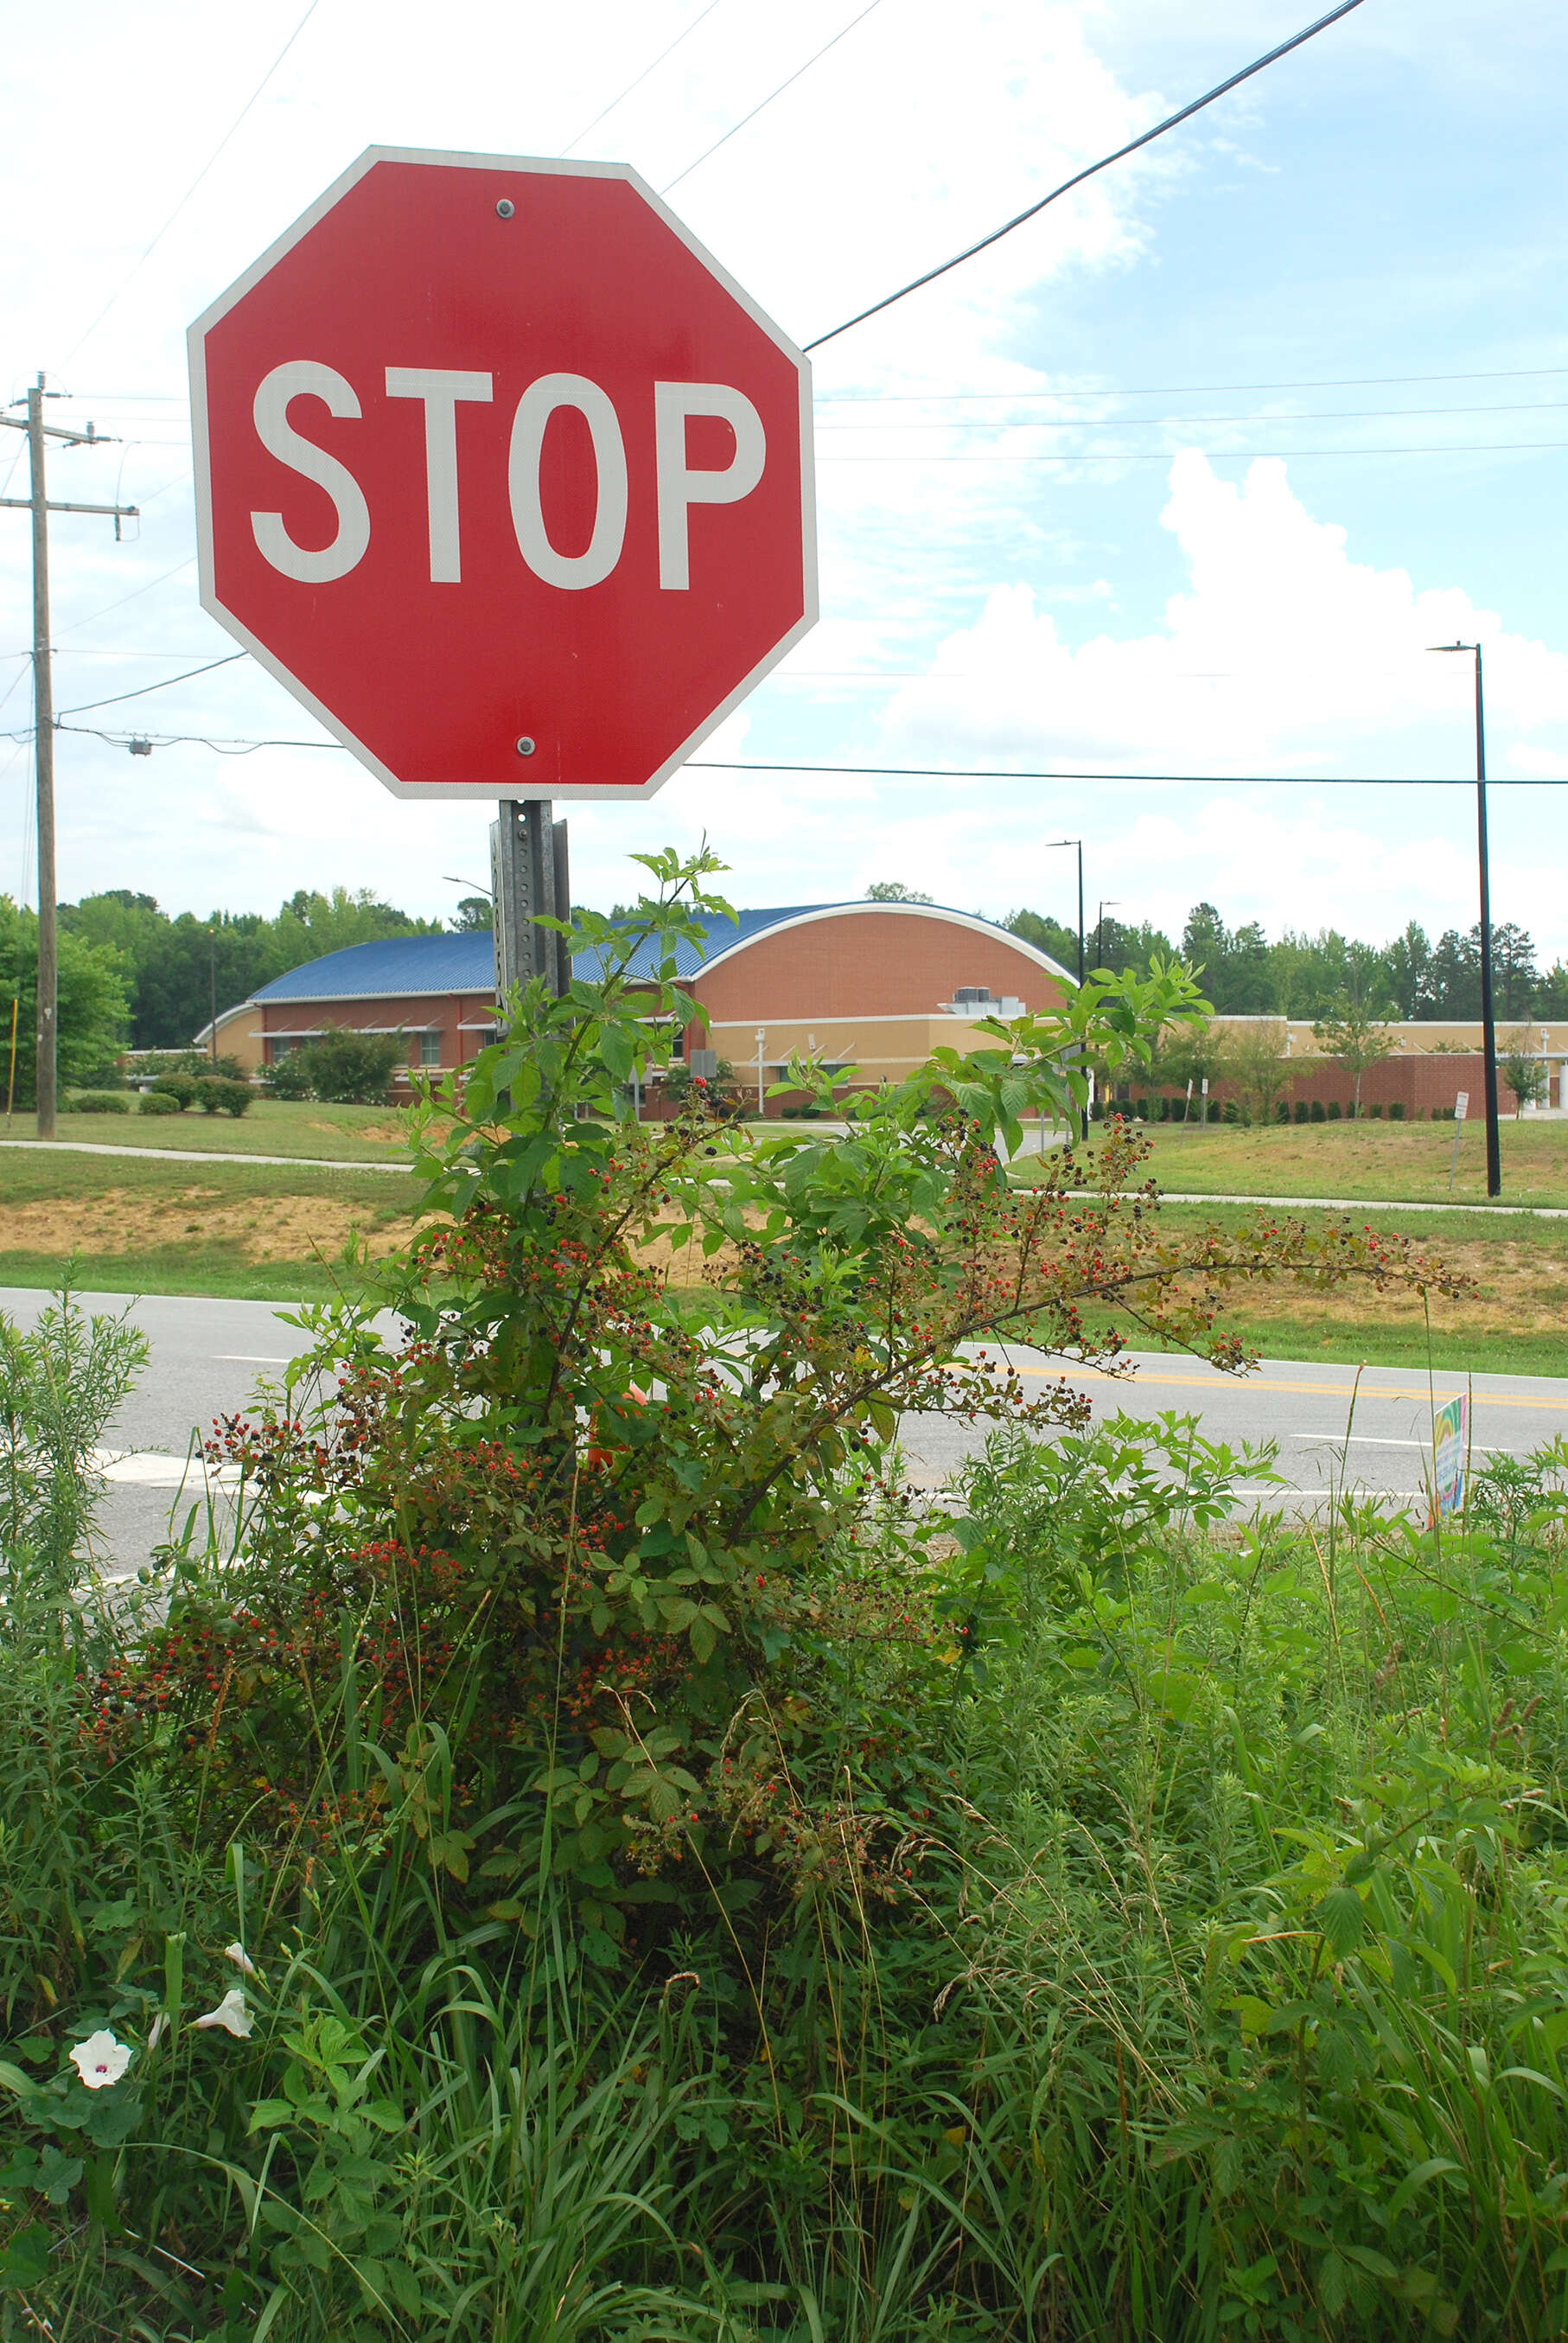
x,y
1516,1324
1405,1161
336,1134
251,1232
267,1233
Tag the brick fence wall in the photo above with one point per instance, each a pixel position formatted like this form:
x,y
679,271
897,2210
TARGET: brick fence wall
x,y
1418,1083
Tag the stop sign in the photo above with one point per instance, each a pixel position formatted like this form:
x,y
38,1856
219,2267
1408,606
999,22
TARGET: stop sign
x,y
503,476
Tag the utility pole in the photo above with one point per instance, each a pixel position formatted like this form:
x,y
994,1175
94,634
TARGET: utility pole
x,y
37,502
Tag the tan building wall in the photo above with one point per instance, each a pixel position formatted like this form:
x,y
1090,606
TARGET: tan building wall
x,y
888,961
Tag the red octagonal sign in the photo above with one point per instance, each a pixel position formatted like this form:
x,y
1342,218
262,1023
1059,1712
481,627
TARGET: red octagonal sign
x,y
503,477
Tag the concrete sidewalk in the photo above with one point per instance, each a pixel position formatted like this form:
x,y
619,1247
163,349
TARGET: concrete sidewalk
x,y
204,1155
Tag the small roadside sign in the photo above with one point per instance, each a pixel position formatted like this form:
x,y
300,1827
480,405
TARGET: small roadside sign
x,y
1450,1454
1461,1105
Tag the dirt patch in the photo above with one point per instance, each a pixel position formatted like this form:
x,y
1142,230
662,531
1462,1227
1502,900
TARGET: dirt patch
x,y
1523,1290
380,1134
263,1228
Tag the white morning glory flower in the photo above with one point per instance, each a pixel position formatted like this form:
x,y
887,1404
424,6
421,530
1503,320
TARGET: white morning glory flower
x,y
100,2060
231,2013
241,1960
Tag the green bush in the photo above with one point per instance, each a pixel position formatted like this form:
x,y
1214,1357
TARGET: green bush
x,y
1303,1111
591,1859
1320,1112
289,1077
348,1069
1374,1113
215,1094
1396,1111
98,1102
158,1102
181,1088
1336,1111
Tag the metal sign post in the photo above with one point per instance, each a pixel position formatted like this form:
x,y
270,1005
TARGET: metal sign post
x,y
1461,1109
530,880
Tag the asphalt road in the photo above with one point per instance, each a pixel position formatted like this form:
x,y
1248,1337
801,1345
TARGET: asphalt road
x,y
1336,1427
208,1357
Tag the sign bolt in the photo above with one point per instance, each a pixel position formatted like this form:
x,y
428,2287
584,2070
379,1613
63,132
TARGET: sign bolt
x,y
525,747
504,208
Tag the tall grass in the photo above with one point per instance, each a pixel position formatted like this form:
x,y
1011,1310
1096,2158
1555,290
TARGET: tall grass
x,y
1223,1990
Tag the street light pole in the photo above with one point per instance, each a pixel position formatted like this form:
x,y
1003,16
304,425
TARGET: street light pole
x,y
1483,860
1077,842
1110,903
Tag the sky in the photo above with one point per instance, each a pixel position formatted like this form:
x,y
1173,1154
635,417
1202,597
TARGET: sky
x,y
1181,477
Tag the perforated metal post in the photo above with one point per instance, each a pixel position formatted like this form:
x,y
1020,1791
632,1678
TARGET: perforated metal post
x,y
531,878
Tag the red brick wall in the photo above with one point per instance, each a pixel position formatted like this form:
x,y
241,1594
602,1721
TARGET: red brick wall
x,y
1418,1081
881,963
449,1011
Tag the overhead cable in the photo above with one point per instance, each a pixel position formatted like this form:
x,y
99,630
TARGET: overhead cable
x,y
1243,780
115,699
1147,138
684,34
1216,455
140,263
783,85
1164,389
244,748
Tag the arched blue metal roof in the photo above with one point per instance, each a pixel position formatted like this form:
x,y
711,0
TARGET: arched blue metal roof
x,y
404,966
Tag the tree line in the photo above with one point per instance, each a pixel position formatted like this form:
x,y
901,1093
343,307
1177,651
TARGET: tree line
x,y
1297,975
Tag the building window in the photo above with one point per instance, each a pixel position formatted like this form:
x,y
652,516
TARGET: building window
x,y
430,1049
282,1045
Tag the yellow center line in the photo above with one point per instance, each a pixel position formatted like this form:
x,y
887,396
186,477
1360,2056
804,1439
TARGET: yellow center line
x,y
1318,1390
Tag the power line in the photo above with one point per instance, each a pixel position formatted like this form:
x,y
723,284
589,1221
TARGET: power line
x,y
189,563
115,699
244,748
1183,422
1179,389
684,34
1203,781
1132,148
194,183
105,402
786,85
1218,455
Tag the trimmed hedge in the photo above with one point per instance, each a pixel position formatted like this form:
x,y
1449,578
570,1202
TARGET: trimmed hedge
x,y
158,1102
215,1094
98,1102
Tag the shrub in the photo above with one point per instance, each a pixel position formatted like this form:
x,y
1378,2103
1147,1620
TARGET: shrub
x,y
350,1069
636,1823
1396,1111
1320,1112
98,1102
158,1102
289,1077
1336,1111
1230,1111
1283,1112
1213,1109
1375,1112
215,1095
1304,1112
180,1088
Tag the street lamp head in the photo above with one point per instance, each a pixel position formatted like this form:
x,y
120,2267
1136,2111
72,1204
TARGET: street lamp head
x,y
1452,646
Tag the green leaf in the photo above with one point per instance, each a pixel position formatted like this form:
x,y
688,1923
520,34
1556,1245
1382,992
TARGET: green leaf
x,y
1342,1919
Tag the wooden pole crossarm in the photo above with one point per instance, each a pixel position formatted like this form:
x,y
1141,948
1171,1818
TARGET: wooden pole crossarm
x,y
87,438
121,512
